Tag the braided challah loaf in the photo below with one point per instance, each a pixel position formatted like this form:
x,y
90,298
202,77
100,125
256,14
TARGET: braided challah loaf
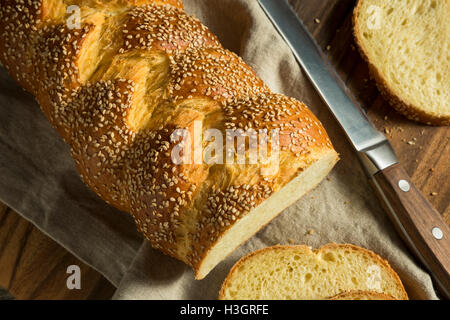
x,y
117,88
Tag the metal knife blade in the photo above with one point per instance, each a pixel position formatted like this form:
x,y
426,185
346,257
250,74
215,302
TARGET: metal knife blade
x,y
360,131
420,225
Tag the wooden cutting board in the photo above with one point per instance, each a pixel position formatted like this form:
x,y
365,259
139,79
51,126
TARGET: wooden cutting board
x,y
424,152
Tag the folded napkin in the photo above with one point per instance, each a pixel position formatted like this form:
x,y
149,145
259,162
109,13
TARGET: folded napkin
x,y
38,180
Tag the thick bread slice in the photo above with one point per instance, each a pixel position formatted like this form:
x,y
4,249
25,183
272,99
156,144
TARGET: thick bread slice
x,y
362,295
407,46
259,217
299,273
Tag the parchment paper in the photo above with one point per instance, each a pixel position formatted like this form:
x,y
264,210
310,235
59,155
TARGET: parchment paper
x,y
38,179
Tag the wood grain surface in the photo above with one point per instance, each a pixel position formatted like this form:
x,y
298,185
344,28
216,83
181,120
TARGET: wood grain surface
x,y
423,150
32,266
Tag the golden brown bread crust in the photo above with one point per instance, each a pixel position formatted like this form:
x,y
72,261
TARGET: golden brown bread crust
x,y
164,28
304,248
408,110
226,75
118,87
362,295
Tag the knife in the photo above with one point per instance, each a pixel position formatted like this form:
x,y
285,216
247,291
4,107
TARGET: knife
x,y
419,224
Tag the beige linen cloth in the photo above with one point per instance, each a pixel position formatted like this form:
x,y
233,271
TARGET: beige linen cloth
x,y
38,180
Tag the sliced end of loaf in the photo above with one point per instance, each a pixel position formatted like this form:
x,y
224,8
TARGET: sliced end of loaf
x,y
406,45
256,219
299,273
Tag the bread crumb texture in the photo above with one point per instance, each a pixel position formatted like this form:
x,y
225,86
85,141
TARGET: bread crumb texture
x,y
407,46
299,273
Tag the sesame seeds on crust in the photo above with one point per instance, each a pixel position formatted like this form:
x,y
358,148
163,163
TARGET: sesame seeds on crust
x,y
100,138
159,190
164,28
299,129
55,74
181,209
212,72
223,208
18,20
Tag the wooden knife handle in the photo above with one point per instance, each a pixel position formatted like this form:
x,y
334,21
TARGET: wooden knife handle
x,y
420,225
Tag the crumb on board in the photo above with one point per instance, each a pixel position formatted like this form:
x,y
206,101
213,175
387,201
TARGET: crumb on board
x,y
328,48
434,194
317,20
431,169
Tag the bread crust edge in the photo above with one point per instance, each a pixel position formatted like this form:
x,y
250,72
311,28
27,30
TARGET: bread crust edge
x,y
307,249
408,110
378,295
197,269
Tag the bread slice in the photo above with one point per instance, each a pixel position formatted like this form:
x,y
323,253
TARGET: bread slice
x,y
299,273
362,295
407,46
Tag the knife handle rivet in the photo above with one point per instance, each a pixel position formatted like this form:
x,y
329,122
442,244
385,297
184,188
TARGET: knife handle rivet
x,y
437,233
404,185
